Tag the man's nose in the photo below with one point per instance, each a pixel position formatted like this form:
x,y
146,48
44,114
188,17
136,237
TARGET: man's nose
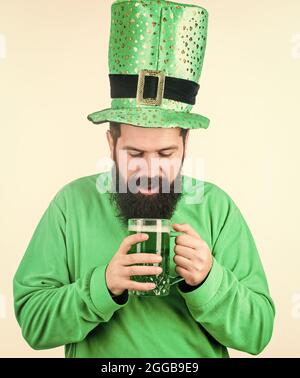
x,y
150,167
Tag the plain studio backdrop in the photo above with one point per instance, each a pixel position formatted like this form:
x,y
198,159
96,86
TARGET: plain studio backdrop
x,y
54,72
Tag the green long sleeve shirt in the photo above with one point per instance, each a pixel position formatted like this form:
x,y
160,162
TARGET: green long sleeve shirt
x,y
61,297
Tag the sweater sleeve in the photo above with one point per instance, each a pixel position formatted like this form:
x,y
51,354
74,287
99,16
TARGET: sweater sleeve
x,y
51,310
234,304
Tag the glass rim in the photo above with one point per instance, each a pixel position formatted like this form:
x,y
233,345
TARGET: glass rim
x,y
149,219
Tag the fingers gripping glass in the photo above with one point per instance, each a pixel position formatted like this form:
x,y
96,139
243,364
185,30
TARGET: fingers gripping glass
x,y
159,233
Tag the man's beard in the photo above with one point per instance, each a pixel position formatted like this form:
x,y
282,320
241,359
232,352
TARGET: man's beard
x,y
159,205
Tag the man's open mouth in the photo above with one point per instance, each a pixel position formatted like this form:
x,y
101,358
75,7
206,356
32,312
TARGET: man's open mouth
x,y
147,187
149,190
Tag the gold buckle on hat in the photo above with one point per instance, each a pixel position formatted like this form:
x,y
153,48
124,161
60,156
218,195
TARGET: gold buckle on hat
x,y
141,84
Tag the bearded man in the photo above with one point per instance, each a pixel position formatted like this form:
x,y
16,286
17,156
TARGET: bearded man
x,y
73,284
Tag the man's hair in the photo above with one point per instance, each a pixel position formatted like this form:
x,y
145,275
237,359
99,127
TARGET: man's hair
x,y
115,129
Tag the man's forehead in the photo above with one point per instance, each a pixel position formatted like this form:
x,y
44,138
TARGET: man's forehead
x,y
131,131
148,139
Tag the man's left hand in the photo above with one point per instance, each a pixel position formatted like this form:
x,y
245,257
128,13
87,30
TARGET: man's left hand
x,y
193,257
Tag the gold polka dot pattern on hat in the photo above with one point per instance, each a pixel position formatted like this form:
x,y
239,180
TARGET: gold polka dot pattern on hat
x,y
155,35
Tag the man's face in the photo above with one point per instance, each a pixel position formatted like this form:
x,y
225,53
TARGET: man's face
x,y
148,165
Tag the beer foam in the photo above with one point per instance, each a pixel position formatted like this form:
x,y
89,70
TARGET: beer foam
x,y
145,228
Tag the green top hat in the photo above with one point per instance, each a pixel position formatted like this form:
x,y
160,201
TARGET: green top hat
x,y
156,53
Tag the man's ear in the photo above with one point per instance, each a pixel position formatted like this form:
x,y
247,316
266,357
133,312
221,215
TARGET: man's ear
x,y
110,143
187,136
186,142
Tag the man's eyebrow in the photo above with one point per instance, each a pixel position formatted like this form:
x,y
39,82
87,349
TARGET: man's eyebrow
x,y
173,147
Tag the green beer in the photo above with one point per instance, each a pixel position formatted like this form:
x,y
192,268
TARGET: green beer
x,y
158,242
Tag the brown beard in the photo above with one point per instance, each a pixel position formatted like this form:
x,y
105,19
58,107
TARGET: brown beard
x,y
160,205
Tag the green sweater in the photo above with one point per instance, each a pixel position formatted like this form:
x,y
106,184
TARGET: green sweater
x,y
61,297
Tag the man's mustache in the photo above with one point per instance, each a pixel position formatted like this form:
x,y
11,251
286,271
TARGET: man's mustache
x,y
145,182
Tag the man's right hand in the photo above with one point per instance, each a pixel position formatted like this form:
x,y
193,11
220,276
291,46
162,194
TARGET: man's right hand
x,y
118,271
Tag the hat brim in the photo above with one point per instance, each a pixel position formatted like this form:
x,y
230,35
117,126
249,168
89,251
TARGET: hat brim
x,y
150,117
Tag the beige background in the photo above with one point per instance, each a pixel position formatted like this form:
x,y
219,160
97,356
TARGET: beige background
x,y
53,72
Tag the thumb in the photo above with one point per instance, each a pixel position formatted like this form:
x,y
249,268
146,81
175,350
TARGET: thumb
x,y
130,240
177,226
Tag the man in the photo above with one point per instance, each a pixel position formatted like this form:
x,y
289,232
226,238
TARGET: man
x,y
72,286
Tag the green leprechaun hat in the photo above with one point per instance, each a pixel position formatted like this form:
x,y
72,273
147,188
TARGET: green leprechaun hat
x,y
156,53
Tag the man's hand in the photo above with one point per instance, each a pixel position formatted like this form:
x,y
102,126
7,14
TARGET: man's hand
x,y
193,257
118,271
